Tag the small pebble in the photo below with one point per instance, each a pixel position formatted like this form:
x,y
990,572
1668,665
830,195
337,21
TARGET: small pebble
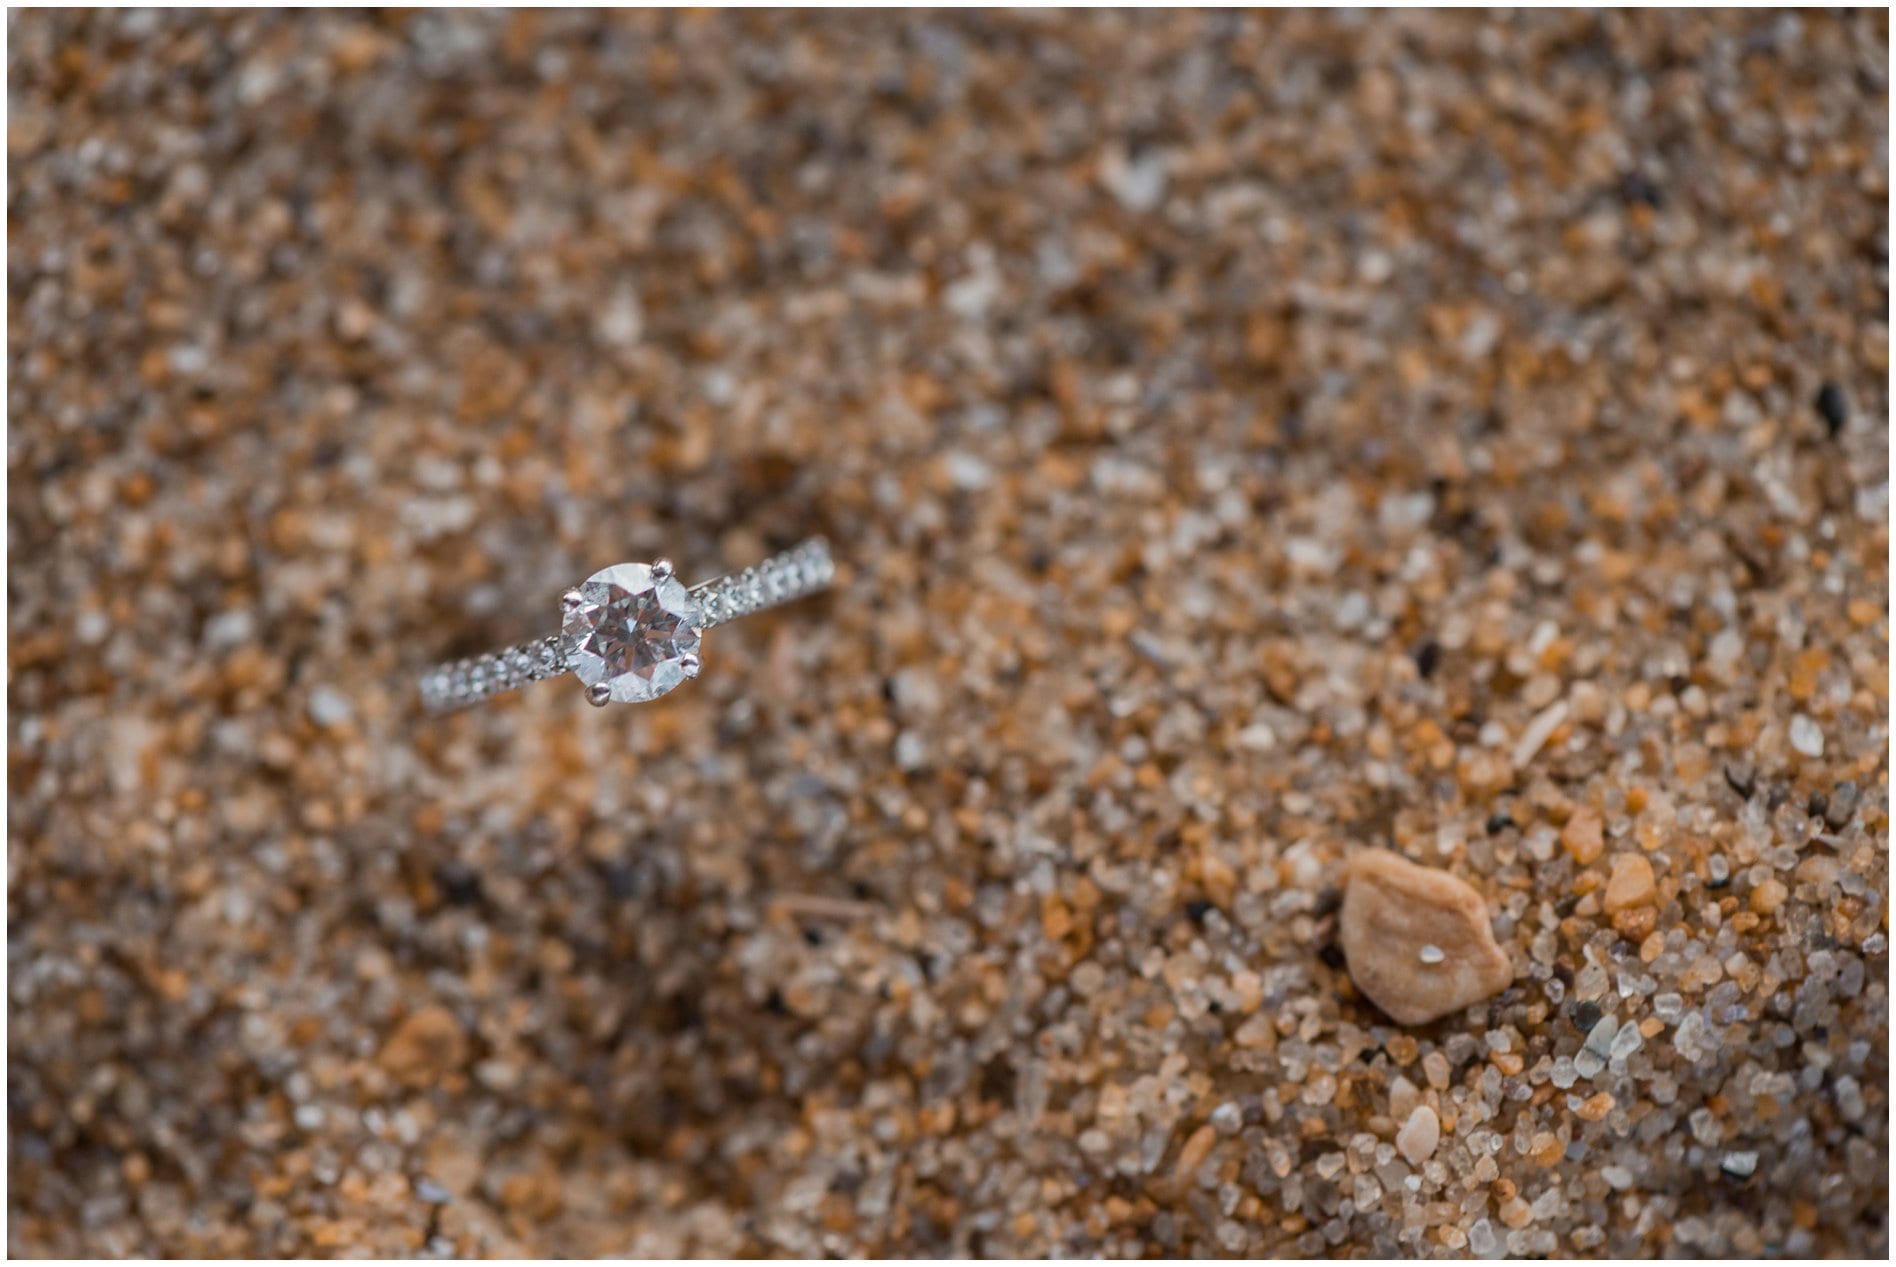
x,y
1417,1139
1832,408
1482,1241
1600,1037
1193,1155
1842,807
1393,913
1596,1107
1403,1098
425,1046
1538,732
329,707
1584,836
1806,737
1631,883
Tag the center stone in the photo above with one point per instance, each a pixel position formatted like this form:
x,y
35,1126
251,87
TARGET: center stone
x,y
633,632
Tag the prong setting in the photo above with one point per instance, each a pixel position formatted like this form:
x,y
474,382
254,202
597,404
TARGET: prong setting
x,y
599,695
632,634
571,600
691,665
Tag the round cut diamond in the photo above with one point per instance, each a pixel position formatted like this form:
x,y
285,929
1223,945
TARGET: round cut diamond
x,y
633,631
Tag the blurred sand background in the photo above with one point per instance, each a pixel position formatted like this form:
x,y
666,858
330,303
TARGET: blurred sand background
x,y
1245,438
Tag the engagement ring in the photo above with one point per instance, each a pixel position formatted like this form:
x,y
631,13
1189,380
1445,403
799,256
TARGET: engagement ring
x,y
631,632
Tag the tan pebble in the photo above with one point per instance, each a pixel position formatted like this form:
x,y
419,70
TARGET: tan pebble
x,y
1256,1032
1631,883
424,1047
1588,703
1403,1097
454,1162
1419,1135
1597,1107
1767,897
1193,1155
1637,923
1417,939
1515,1213
1585,835
136,1168
1435,1069
1541,690
1818,869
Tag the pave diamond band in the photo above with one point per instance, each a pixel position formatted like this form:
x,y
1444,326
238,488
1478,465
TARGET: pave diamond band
x,y
631,632
783,578
463,682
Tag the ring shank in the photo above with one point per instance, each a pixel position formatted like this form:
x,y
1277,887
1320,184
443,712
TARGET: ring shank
x,y
459,683
803,570
783,578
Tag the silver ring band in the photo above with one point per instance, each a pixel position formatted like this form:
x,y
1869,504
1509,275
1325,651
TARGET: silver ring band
x,y
631,632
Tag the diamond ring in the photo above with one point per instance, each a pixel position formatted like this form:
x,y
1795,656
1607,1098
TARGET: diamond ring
x,y
631,632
